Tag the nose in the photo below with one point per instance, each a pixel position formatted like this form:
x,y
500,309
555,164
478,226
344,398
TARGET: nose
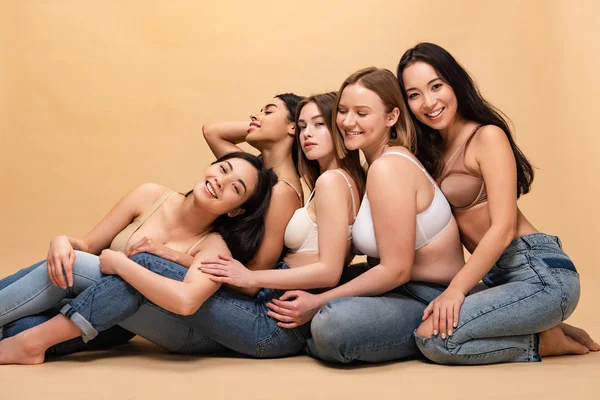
x,y
218,183
349,120
253,117
307,133
430,100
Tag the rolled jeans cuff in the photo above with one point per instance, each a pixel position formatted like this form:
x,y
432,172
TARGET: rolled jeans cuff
x,y
87,330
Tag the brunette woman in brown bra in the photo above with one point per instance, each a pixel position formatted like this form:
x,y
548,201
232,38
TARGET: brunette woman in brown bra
x,y
467,146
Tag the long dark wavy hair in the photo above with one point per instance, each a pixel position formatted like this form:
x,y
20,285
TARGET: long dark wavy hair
x,y
291,102
349,161
471,106
244,233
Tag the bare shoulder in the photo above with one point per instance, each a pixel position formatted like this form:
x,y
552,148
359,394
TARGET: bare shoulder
x,y
394,166
149,191
214,241
331,183
283,193
489,137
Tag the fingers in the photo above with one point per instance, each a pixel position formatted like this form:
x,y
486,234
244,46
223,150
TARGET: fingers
x,y
449,319
219,279
443,326
213,271
68,269
50,269
456,315
427,311
58,272
225,258
436,319
213,262
287,326
291,294
280,317
279,309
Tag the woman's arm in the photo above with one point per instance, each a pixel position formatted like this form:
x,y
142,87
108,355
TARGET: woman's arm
x,y
498,168
222,137
393,209
182,298
332,206
60,254
148,244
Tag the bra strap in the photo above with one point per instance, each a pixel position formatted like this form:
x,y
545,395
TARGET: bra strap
x,y
293,187
197,242
351,192
414,162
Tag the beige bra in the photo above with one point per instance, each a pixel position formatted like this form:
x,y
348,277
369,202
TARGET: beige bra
x,y
301,234
121,241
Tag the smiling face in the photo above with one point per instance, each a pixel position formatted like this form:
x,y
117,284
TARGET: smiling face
x,y
315,138
271,124
225,186
431,100
362,118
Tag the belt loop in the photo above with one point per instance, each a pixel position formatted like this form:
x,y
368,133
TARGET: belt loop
x,y
526,241
558,241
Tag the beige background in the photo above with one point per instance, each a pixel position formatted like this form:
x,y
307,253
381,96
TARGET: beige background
x,y
97,97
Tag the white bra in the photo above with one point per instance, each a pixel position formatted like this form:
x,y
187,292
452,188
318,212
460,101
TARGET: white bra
x,y
301,233
431,222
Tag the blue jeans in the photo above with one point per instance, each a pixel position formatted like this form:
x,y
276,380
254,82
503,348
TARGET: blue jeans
x,y
227,320
371,329
533,287
112,337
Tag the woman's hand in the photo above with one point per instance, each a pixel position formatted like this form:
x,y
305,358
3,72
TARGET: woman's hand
x,y
148,244
228,270
445,310
111,260
294,308
60,260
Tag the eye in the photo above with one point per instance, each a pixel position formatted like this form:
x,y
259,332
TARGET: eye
x,y
302,127
436,86
342,111
223,170
236,189
320,124
413,96
361,114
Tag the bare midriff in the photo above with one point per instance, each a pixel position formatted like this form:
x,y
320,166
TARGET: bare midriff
x,y
475,222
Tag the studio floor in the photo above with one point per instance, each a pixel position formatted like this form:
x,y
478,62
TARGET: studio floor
x,y
141,370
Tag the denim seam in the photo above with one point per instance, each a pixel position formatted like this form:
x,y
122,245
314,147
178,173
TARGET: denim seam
x,y
235,304
27,301
544,285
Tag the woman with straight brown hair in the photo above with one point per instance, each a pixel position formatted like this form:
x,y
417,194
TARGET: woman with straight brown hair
x,y
404,225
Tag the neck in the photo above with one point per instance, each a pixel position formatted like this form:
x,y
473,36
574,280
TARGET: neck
x,y
375,151
453,130
193,217
279,157
328,163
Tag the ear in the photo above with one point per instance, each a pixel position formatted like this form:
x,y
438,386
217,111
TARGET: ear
x,y
236,212
292,129
392,117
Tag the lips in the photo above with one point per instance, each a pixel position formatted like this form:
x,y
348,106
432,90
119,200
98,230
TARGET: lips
x,y
309,145
436,114
353,134
210,189
253,125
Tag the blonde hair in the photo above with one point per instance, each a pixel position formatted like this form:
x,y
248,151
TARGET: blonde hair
x,y
385,85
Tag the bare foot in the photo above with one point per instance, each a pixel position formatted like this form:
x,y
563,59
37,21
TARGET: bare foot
x,y
554,342
18,350
580,336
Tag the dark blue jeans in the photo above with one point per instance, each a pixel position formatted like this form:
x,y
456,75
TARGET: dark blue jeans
x,y
114,336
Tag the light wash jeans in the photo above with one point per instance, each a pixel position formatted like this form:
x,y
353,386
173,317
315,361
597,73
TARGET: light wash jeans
x,y
371,329
533,287
113,337
227,320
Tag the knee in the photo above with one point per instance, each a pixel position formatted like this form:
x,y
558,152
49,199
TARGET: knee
x,y
425,329
331,330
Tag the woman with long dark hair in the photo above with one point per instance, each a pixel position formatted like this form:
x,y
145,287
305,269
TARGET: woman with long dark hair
x,y
467,145
223,214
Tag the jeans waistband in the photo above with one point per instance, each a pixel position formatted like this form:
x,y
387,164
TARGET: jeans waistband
x,y
527,242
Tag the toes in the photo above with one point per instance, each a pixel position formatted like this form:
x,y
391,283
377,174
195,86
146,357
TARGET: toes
x,y
574,347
